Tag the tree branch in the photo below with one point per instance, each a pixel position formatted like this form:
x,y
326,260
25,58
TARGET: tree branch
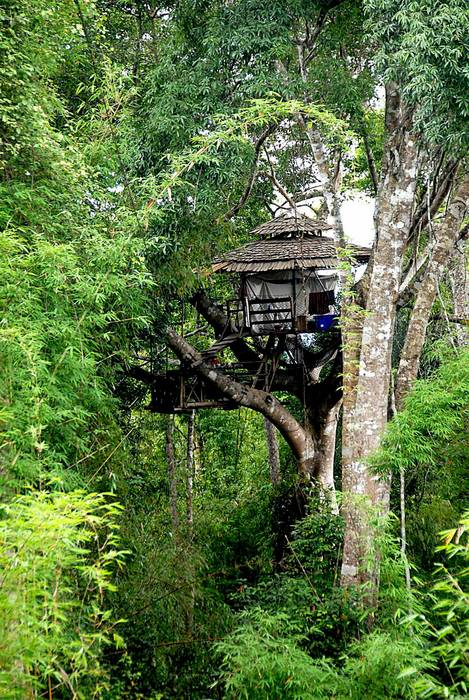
x,y
262,402
285,380
369,157
424,211
257,149
223,325
447,235
311,44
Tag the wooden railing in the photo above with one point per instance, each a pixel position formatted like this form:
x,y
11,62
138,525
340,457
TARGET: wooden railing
x,y
274,315
270,315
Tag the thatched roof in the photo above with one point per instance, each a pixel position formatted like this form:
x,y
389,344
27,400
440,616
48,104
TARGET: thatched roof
x,y
289,225
316,252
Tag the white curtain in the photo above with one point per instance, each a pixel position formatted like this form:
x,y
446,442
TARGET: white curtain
x,y
279,283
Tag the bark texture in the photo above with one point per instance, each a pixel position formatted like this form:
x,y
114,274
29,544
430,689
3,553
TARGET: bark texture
x,y
324,431
325,448
460,288
446,235
366,415
274,455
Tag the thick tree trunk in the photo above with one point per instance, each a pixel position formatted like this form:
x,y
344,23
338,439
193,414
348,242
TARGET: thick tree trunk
x,y
263,402
366,420
274,455
352,329
322,424
325,440
446,234
324,431
171,462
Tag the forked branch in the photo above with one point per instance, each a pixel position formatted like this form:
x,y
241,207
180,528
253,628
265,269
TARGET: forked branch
x,y
261,401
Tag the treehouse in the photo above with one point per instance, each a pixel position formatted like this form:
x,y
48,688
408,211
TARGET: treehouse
x,y
285,284
287,279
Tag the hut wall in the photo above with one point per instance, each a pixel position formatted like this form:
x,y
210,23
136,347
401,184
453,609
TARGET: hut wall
x,y
280,284
275,284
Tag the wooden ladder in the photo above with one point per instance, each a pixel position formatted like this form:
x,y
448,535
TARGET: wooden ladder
x,y
219,345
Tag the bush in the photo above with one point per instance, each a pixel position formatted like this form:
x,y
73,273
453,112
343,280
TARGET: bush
x,y
316,546
377,665
262,659
447,625
57,555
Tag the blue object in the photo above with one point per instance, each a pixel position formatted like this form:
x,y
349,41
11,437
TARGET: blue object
x,y
324,322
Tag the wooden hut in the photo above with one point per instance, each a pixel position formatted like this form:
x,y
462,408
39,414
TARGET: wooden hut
x,y
287,277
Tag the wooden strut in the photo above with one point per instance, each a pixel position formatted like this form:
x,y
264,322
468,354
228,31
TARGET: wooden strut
x,y
181,388
258,400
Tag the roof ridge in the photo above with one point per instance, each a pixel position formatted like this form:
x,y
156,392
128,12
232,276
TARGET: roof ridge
x,y
287,222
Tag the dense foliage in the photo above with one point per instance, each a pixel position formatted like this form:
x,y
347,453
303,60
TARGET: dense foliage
x,y
127,136
58,554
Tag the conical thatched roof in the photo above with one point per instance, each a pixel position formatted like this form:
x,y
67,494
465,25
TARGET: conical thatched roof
x,y
288,225
287,243
317,252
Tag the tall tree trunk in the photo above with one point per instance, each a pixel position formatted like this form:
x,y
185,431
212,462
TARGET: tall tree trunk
x,y
274,455
447,233
190,474
367,419
322,424
171,462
